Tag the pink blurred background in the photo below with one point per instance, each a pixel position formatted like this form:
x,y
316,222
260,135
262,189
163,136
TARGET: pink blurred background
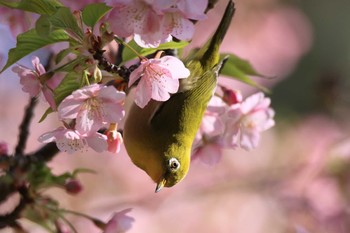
x,y
297,180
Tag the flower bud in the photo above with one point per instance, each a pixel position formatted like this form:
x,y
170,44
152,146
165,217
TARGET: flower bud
x,y
3,148
231,97
73,186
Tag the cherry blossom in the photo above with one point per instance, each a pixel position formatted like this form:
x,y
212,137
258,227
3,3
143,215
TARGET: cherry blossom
x,y
70,141
119,223
93,107
247,122
227,126
153,22
32,82
18,21
207,146
158,79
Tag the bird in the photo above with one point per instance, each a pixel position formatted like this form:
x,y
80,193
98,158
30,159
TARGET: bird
x,y
158,138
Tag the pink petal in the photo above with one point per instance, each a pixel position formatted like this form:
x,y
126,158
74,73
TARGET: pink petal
x,y
49,97
249,139
51,136
30,84
136,74
209,154
87,91
89,121
143,93
175,66
119,15
251,102
39,68
114,112
193,9
234,113
160,92
110,94
216,105
152,40
98,142
183,29
69,108
161,5
212,126
231,137
119,222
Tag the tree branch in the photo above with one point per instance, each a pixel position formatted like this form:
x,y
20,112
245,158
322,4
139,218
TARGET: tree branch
x,y
24,127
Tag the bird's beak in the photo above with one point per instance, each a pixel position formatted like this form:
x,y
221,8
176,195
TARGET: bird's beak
x,y
160,184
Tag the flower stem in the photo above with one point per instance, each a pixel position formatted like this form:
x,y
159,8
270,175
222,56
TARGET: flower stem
x,y
120,41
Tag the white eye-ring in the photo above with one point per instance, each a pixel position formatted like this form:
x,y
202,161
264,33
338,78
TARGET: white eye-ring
x,y
174,164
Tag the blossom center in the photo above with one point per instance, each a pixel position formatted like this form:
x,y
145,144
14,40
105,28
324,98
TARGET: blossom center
x,y
93,107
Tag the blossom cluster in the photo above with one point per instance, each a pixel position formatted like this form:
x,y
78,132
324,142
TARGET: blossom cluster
x,y
232,122
94,107
153,22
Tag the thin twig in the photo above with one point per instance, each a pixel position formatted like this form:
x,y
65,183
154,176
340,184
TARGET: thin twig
x,y
24,127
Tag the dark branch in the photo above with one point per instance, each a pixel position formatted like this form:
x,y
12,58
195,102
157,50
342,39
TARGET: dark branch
x,y
122,71
45,153
11,218
119,55
24,127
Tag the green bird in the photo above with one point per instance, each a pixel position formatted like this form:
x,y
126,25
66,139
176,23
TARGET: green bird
x,y
159,137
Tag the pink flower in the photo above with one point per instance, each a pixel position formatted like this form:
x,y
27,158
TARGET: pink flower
x,y
70,141
153,22
137,17
192,9
177,16
18,21
119,223
247,121
159,79
93,107
32,84
30,78
207,147
114,140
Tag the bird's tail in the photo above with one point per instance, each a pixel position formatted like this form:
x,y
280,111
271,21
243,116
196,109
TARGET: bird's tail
x,y
209,54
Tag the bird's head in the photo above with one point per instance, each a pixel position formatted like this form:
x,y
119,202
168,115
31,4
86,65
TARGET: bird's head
x,y
174,170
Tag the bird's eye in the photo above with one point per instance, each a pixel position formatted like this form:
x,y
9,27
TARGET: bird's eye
x,y
174,164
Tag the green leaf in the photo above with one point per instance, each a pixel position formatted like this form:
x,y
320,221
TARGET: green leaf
x,y
69,66
128,54
42,7
62,19
30,41
242,64
69,84
240,69
46,113
92,13
62,54
82,170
